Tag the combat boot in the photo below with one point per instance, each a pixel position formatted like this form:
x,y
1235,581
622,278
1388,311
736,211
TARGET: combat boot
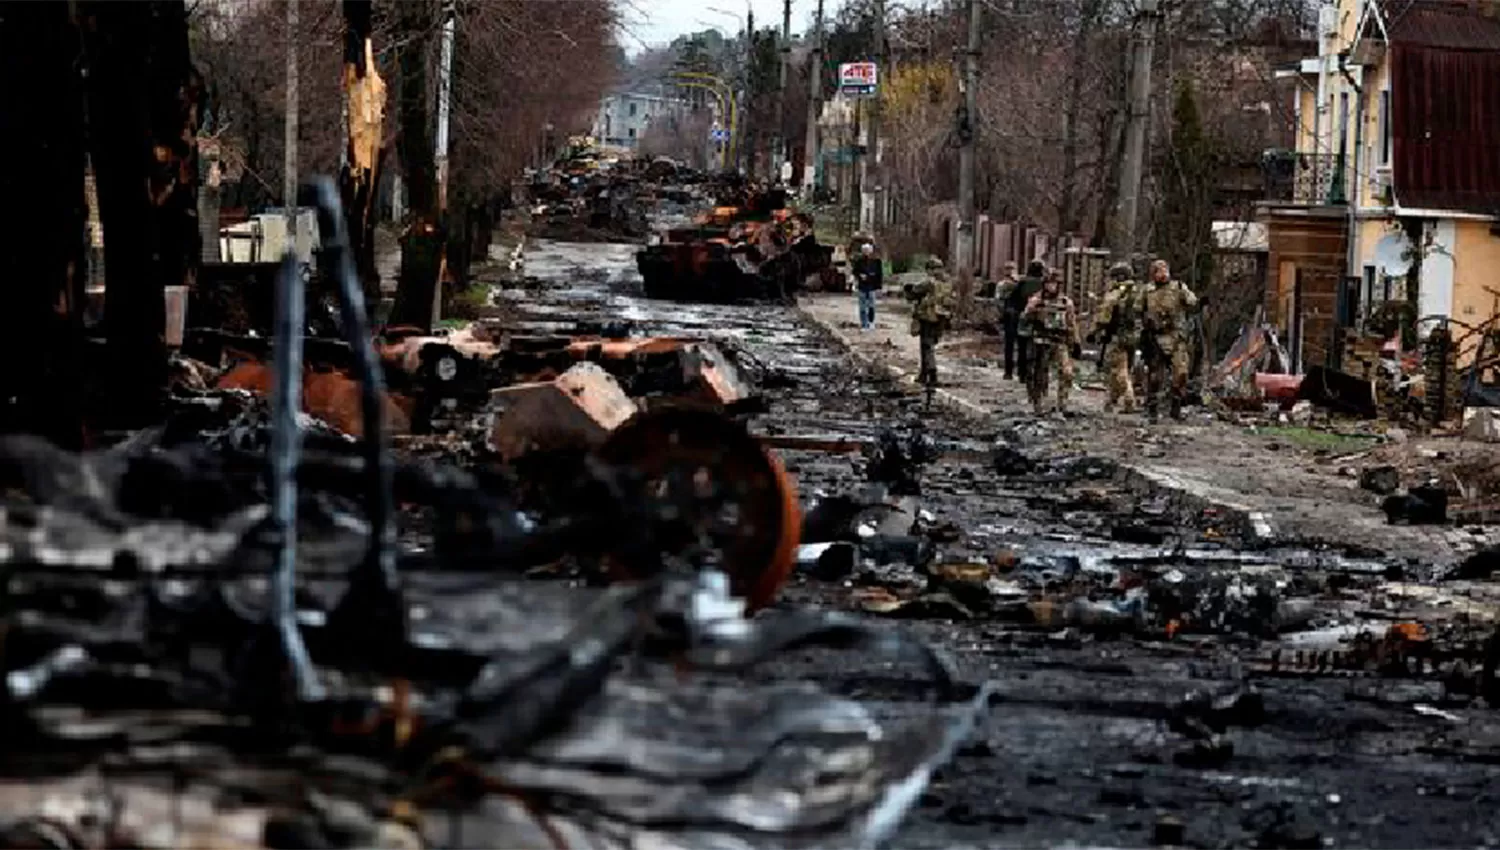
x,y
1177,410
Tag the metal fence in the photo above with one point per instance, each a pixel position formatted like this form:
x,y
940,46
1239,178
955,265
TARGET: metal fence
x,y
1314,179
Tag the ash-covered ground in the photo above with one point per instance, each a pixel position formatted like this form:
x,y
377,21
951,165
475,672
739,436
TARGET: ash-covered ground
x,y
1164,675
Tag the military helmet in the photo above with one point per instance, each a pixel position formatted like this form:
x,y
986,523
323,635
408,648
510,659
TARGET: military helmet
x,y
1121,271
934,264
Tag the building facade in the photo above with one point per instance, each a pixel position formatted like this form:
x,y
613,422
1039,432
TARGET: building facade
x,y
1393,190
623,118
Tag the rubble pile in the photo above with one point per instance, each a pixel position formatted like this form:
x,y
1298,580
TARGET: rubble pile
x,y
213,638
1138,565
585,198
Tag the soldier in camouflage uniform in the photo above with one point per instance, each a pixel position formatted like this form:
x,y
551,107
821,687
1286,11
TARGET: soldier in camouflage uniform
x,y
932,300
1054,334
1166,306
1119,330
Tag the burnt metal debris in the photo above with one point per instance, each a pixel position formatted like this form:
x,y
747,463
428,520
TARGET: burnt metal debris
x,y
748,247
191,626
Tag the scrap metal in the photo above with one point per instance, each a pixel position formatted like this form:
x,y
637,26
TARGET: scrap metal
x,y
751,249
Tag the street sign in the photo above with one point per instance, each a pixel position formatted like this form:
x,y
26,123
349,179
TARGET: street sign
x,y
858,78
719,134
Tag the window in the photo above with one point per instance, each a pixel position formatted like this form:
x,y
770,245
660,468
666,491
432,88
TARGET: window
x,y
1385,127
632,110
631,131
1370,295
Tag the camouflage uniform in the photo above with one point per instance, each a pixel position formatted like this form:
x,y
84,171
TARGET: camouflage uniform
x,y
932,299
1054,332
1165,308
1119,321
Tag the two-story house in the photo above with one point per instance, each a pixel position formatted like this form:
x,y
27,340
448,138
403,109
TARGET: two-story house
x,y
1393,191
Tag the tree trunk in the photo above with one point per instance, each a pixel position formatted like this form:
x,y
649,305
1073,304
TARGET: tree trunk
x,y
366,123
1067,213
421,241
1112,151
42,260
143,98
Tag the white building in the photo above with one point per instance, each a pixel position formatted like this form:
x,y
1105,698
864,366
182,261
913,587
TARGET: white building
x,y
623,118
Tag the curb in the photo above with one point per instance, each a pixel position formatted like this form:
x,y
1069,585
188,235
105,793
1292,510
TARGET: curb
x,y
1253,527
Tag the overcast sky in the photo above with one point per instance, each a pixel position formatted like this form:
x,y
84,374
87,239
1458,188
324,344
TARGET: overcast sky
x,y
654,23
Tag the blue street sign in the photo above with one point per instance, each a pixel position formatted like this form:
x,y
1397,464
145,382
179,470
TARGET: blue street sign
x,y
719,135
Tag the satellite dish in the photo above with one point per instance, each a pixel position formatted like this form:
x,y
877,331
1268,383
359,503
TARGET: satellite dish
x,y
1391,254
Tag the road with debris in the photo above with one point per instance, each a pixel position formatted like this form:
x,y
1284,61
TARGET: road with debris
x,y
1164,677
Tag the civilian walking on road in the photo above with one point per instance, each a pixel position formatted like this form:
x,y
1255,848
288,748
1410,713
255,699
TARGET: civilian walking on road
x,y
869,276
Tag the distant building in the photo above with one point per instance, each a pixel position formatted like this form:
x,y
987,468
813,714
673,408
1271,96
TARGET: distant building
x,y
623,118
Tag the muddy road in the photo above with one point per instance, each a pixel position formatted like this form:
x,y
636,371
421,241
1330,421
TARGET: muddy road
x,y
1107,730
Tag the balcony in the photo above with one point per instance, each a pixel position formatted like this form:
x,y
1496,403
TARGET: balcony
x,y
1305,179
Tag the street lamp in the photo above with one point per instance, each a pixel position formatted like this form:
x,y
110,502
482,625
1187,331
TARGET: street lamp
x,y
743,72
728,103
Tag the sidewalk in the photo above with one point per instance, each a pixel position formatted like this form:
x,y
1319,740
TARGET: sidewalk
x,y
1288,493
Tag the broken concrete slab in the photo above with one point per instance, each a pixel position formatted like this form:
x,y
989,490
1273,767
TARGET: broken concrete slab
x,y
577,410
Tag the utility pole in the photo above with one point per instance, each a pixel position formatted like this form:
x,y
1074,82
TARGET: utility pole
x,y
1131,170
748,151
963,244
289,182
870,178
782,146
440,149
814,97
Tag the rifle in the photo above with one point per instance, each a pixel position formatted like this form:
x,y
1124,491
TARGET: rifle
x,y
1150,350
1108,335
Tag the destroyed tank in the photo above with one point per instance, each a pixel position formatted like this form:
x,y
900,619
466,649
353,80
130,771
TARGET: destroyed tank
x,y
740,250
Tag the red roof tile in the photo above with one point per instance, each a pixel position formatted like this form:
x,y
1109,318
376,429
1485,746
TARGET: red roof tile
x,y
1444,24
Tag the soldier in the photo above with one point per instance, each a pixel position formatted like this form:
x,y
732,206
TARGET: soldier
x,y
1054,338
1119,332
932,307
1010,317
1020,341
1165,307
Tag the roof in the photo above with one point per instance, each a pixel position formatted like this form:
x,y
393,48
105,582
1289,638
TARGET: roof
x,y
1444,24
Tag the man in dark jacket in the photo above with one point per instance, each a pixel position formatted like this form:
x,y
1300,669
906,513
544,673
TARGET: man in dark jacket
x,y
868,278
1010,320
1017,333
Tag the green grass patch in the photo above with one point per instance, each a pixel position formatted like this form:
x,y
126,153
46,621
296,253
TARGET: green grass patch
x,y
1313,439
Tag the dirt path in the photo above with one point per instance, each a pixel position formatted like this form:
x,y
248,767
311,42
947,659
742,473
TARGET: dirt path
x,y
1289,492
